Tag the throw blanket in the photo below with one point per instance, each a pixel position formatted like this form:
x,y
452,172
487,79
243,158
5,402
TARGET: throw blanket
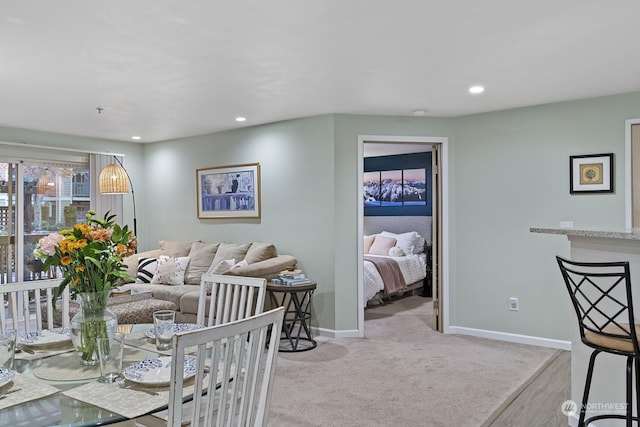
x,y
390,273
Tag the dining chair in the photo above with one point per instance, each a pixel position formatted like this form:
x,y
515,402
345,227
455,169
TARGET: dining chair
x,y
601,295
20,300
225,298
234,369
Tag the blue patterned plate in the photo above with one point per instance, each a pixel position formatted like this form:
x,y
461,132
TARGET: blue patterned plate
x,y
46,337
6,375
177,327
157,371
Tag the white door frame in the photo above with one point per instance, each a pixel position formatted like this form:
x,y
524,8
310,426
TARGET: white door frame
x,y
444,262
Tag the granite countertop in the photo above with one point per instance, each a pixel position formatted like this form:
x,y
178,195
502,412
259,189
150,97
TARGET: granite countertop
x,y
624,234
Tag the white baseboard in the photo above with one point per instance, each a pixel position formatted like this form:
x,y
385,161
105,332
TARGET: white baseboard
x,y
515,338
332,333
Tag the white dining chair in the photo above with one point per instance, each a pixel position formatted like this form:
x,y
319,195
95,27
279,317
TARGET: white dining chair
x,y
225,298
26,305
235,367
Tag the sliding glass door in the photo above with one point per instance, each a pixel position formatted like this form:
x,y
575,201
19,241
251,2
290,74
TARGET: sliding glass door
x,y
37,198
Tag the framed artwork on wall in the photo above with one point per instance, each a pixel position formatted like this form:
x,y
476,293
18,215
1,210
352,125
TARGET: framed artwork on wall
x,y
592,173
229,191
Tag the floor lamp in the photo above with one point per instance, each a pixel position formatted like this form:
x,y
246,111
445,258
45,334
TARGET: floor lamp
x,y
114,179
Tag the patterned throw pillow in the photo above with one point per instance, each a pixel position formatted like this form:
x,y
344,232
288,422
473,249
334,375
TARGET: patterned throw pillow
x,y
146,269
170,270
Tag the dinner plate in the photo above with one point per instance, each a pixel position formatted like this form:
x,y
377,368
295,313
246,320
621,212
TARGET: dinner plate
x,y
177,327
157,371
6,375
46,337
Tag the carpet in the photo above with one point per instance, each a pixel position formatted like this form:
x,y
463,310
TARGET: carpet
x,y
402,374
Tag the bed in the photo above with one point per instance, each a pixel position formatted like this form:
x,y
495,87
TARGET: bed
x,y
396,256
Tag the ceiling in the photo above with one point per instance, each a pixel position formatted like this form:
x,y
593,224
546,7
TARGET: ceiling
x,y
171,69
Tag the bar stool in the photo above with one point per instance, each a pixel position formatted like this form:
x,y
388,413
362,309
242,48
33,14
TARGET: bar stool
x,y
601,296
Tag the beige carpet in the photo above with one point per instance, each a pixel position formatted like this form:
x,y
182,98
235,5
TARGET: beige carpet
x,y
402,374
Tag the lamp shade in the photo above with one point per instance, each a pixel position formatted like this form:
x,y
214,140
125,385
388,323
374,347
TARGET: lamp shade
x,y
114,180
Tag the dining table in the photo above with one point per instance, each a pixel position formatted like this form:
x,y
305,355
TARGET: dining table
x,y
50,386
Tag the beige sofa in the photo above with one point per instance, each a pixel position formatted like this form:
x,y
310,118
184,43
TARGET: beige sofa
x,y
262,260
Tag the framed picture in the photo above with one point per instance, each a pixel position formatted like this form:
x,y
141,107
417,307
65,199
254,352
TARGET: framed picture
x,y
229,191
591,173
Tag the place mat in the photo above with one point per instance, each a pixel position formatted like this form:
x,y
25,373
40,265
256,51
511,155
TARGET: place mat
x,y
67,366
28,389
130,401
42,352
140,340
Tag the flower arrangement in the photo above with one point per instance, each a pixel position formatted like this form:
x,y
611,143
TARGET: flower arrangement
x,y
90,256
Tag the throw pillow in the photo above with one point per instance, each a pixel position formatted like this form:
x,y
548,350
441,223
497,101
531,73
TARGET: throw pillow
x,y
368,241
175,248
146,269
406,241
170,270
381,245
396,251
242,263
221,267
259,251
230,250
200,259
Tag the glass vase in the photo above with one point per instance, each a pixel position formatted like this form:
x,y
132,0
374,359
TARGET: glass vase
x,y
94,320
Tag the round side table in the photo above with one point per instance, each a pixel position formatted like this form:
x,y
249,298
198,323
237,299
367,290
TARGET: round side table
x,y
296,332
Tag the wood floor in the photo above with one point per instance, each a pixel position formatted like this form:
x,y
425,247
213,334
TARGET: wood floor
x,y
538,403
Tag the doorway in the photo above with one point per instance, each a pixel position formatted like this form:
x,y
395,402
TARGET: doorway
x,y
439,147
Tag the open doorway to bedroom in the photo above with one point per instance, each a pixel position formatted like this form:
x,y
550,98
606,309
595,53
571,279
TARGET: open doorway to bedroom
x,y
401,225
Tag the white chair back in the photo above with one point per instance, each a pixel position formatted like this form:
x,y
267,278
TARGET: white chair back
x,y
20,300
225,299
234,369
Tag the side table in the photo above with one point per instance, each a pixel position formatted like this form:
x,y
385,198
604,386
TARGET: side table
x,y
296,332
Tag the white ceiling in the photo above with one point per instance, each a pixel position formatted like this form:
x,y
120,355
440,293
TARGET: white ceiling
x,y
170,69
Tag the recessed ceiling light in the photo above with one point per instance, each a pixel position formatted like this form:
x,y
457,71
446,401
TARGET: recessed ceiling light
x,y
136,137
241,119
475,90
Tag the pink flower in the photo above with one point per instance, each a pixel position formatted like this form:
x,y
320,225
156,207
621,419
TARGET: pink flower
x,y
48,244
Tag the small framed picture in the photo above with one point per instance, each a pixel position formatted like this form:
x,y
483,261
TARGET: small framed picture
x,y
229,191
591,173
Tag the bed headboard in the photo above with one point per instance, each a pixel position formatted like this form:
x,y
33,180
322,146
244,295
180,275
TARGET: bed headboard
x,y
398,224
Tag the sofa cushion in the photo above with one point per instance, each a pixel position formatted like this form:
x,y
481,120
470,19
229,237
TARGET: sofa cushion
x,y
200,259
170,270
230,251
175,248
259,251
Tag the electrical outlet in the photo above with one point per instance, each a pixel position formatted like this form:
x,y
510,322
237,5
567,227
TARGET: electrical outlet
x,y
513,304
566,224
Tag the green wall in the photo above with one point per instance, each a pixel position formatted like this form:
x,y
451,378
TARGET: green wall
x,y
512,173
508,171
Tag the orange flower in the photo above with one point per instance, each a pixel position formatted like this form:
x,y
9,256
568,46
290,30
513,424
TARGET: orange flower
x,y
79,268
66,260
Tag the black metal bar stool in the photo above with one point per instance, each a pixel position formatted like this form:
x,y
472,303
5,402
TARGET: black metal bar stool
x,y
601,296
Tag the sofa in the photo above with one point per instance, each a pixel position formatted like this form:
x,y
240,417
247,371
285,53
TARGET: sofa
x,y
173,271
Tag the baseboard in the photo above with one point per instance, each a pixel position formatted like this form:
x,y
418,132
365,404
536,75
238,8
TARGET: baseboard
x,y
515,338
332,333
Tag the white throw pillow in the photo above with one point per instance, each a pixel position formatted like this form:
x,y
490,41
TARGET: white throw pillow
x,y
170,270
396,251
146,269
242,263
406,241
221,267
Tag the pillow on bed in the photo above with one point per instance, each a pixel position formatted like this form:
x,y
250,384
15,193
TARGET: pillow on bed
x,y
406,241
381,245
419,244
368,241
396,251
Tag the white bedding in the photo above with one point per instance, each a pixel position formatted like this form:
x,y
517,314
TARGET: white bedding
x,y
413,268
